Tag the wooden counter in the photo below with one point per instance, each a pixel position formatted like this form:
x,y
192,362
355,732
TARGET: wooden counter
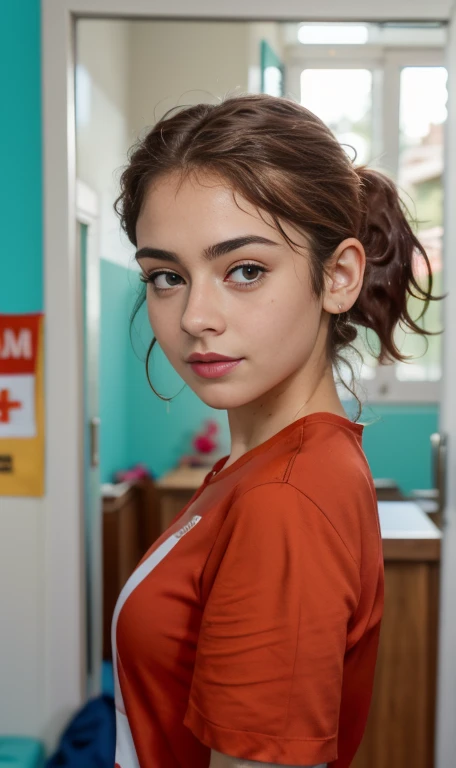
x,y
400,729
401,724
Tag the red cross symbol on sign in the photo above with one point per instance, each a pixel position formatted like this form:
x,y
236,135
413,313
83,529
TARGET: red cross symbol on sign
x,y
6,405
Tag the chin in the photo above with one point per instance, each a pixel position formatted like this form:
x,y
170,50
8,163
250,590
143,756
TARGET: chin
x,y
223,401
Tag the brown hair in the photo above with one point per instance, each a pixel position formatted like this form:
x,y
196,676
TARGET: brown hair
x,y
284,160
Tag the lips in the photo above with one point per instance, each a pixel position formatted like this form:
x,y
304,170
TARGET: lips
x,y
210,357
214,369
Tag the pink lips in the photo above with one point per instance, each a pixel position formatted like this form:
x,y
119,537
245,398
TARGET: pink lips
x,y
212,365
213,369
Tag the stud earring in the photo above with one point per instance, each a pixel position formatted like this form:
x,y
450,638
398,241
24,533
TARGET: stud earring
x,y
339,307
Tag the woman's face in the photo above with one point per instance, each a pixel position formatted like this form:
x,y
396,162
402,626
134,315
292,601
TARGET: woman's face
x,y
223,280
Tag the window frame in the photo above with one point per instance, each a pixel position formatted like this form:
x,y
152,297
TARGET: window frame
x,y
386,64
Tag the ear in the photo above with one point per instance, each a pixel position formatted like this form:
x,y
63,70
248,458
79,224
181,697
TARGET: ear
x,y
344,276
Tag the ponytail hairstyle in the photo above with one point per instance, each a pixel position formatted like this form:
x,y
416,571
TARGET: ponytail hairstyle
x,y
285,160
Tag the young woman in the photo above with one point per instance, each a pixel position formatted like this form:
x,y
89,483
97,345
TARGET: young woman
x,y
248,634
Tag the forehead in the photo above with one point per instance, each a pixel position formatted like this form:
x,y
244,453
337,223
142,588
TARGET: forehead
x,y
204,206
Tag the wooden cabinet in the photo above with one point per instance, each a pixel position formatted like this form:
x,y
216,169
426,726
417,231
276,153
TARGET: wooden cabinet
x,y
120,550
401,725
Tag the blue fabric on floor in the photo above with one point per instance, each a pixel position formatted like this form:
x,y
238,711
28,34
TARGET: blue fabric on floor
x,y
21,752
89,741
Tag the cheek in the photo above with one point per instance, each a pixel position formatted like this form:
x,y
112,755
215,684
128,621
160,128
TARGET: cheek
x,y
282,325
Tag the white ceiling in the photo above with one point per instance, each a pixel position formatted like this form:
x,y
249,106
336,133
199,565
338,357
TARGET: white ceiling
x,y
336,10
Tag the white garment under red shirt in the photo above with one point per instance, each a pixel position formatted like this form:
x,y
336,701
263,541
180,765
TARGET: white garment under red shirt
x,y
251,626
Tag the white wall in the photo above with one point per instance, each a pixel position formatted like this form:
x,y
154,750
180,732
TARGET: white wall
x,y
128,74
183,63
102,97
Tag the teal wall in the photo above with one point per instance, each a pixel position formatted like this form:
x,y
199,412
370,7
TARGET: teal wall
x,y
397,445
136,426
21,284
117,364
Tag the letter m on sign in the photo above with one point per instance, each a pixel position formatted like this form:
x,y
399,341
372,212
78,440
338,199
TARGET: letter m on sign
x,y
17,344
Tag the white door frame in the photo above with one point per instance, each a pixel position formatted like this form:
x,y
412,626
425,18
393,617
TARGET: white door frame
x,y
64,651
446,704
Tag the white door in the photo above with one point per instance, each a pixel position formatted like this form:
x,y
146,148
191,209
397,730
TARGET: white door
x,y
89,314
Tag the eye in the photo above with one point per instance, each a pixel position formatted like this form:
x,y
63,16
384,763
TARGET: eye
x,y
168,280
250,274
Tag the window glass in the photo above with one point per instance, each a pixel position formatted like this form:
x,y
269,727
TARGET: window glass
x,y
423,97
342,98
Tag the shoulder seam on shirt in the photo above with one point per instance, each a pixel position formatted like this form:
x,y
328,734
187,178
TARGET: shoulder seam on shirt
x,y
298,490
328,520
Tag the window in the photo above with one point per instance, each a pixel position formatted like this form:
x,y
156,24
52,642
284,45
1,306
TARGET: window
x,y
389,104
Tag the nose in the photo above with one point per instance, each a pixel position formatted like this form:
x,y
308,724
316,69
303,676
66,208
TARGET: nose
x,y
203,311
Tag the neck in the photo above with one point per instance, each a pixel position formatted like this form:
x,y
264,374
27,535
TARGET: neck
x,y
252,424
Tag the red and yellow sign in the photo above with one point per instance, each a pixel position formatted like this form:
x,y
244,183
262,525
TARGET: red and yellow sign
x,y
21,405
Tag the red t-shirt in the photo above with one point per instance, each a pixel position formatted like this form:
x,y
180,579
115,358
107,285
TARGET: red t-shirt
x,y
251,625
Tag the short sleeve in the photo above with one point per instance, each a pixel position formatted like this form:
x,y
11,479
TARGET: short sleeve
x,y
269,663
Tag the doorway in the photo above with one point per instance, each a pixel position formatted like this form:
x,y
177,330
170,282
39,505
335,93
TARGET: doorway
x,y
66,52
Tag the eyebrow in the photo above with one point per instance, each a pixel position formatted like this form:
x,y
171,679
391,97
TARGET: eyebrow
x,y
209,253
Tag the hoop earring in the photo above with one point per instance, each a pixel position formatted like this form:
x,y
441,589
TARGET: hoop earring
x,y
149,352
